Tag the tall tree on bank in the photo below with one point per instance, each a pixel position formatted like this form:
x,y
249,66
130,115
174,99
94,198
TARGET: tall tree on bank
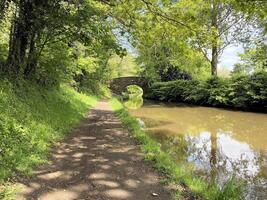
x,y
219,25
36,24
20,35
209,25
31,22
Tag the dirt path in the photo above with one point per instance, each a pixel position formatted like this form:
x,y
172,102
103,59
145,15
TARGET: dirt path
x,y
97,161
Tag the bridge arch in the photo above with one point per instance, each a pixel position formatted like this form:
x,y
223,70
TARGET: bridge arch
x,y
118,85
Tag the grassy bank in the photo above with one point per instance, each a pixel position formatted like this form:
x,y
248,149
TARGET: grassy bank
x,y
31,120
192,186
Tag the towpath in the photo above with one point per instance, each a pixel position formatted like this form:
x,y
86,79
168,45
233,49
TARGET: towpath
x,y
97,161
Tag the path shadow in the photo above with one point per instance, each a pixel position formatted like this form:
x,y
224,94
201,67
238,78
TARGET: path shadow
x,y
97,161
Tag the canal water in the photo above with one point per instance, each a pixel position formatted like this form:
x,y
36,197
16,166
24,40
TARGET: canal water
x,y
216,143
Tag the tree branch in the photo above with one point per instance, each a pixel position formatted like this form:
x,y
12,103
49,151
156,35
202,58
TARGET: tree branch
x,y
156,12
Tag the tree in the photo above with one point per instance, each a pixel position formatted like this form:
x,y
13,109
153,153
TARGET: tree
x,y
221,25
253,59
124,65
255,56
162,47
208,26
37,25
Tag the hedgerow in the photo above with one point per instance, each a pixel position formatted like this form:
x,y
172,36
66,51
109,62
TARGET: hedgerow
x,y
239,91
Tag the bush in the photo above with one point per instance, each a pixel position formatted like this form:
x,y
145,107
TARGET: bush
x,y
218,91
239,91
173,73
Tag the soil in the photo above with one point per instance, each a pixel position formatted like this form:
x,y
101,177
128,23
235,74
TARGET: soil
x,y
99,161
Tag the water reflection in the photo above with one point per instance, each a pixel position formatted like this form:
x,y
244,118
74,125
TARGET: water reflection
x,y
134,96
217,143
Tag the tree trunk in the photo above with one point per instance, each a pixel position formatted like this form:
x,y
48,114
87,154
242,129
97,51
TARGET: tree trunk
x,y
19,37
32,57
214,26
214,60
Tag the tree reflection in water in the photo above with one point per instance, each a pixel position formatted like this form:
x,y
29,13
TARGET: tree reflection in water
x,y
218,157
216,143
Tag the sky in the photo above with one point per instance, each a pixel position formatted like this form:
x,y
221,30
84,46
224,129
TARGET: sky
x,y
230,57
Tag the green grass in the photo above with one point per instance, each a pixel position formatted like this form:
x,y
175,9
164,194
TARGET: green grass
x,y
8,191
175,173
31,120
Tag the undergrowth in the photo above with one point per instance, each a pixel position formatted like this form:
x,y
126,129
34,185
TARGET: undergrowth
x,y
32,118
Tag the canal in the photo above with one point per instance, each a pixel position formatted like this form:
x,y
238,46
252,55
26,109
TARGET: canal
x,y
216,143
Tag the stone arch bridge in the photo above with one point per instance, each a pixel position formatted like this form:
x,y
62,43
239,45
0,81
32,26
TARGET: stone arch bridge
x,y
118,85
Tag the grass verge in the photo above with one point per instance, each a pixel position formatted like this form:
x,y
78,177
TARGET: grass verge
x,y
31,120
192,186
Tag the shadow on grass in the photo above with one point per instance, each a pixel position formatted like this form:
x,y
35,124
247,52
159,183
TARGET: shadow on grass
x,y
33,119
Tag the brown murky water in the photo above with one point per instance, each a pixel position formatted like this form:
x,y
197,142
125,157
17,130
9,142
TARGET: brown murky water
x,y
217,143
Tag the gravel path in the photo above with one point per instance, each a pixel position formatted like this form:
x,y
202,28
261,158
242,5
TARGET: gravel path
x,y
97,161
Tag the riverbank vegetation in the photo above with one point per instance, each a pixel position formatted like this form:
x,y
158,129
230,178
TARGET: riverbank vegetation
x,y
239,91
191,186
31,120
